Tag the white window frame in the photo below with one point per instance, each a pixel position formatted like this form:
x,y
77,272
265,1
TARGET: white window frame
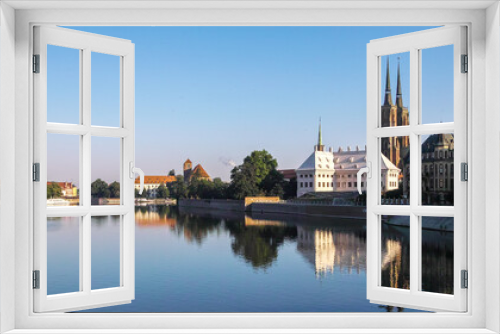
x,y
86,44
414,43
16,127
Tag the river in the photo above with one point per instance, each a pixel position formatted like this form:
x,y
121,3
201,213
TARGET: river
x,y
217,261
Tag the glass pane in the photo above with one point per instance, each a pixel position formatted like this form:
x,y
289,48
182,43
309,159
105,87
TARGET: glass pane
x,y
63,170
395,170
395,69
105,252
105,173
105,90
63,85
437,169
437,254
437,84
63,255
395,259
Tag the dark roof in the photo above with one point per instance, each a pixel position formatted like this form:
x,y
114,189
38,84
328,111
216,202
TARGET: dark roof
x,y
437,140
288,173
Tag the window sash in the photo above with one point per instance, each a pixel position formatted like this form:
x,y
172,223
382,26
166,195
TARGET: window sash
x,y
86,297
413,43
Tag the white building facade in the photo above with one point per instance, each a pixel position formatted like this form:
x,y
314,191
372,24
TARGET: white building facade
x,y
316,174
324,171
348,163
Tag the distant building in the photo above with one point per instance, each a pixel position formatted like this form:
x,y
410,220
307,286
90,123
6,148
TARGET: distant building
x,y
68,189
324,171
437,170
198,172
151,183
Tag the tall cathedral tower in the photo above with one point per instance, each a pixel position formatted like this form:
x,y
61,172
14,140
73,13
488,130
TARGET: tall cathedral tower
x,y
394,148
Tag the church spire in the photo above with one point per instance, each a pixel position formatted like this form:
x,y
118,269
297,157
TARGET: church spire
x,y
388,96
320,137
399,94
319,146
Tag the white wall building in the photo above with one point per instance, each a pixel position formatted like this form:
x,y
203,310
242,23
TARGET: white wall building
x,y
324,171
316,174
347,165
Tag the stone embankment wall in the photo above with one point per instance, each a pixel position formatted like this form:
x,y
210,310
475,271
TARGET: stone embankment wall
x,y
216,204
274,206
357,212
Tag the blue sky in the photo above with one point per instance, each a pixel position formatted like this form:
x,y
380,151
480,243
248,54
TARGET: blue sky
x,y
214,94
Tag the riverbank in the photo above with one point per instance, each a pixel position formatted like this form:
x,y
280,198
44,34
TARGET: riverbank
x,y
355,212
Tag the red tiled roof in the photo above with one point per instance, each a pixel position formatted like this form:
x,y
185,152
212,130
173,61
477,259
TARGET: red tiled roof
x,y
288,173
187,161
148,179
63,185
199,171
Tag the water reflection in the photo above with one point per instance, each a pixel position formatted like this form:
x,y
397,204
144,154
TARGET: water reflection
x,y
216,261
326,249
395,259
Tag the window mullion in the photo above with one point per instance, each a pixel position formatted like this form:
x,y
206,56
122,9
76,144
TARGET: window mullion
x,y
85,167
415,85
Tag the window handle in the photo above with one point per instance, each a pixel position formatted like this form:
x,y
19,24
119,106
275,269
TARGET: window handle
x,y
368,171
134,170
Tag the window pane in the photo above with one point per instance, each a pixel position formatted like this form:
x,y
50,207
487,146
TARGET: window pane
x,y
63,85
437,84
105,173
395,259
395,171
105,90
63,255
437,169
395,70
63,170
437,254
105,252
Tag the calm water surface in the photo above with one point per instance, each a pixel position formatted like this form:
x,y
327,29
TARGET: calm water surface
x,y
199,261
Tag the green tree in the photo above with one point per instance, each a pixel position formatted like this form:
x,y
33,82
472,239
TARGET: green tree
x,y
114,190
256,176
162,192
290,189
54,190
99,189
243,182
273,183
220,189
172,172
178,189
262,163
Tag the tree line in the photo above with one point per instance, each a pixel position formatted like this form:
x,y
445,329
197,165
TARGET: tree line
x,y
256,176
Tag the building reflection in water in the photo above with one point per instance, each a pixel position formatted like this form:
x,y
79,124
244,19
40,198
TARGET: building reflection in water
x,y
326,249
153,217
